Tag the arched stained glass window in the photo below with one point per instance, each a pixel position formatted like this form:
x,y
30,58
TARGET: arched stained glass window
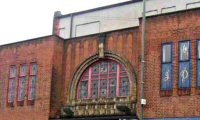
x,y
103,79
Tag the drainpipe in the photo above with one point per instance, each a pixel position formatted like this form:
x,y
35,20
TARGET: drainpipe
x,y
71,25
143,101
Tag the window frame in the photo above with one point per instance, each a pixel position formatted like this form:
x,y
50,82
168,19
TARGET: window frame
x,y
21,102
182,61
108,78
11,103
31,101
197,62
163,63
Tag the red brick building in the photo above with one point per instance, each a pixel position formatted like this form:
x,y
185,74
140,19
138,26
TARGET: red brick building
x,y
97,75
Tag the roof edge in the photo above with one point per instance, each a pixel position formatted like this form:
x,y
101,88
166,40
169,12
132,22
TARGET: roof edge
x,y
31,39
99,8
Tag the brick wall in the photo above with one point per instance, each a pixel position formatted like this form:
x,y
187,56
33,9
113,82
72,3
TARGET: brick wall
x,y
58,60
39,50
173,28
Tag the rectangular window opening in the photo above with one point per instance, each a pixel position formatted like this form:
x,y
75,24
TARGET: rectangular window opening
x,y
184,68
32,82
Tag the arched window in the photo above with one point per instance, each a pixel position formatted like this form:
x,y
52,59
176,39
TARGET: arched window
x,y
105,78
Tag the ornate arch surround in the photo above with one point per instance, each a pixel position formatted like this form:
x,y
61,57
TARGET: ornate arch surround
x,y
108,55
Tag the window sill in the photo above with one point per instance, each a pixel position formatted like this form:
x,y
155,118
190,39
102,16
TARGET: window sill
x,y
20,103
183,92
10,104
198,91
166,93
30,102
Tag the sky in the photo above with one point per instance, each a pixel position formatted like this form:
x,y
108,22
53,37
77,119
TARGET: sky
x,y
25,19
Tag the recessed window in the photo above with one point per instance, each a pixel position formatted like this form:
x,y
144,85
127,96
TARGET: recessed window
x,y
198,63
22,82
103,79
11,84
32,81
184,65
166,81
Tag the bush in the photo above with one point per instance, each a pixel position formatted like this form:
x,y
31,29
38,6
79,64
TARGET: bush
x,y
124,109
68,112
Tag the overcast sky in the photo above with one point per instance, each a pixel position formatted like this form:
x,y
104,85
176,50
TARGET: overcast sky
x,y
25,19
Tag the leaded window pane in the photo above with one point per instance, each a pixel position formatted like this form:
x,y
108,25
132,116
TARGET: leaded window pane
x,y
33,81
103,88
166,82
112,91
166,53
95,69
84,89
32,86
32,94
113,67
21,92
11,90
23,70
104,67
184,51
184,75
94,88
13,72
124,87
122,68
33,69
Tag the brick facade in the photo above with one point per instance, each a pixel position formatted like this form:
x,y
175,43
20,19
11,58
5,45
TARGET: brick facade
x,y
171,28
41,51
59,60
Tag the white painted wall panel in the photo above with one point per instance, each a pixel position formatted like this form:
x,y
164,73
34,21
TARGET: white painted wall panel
x,y
122,16
88,28
168,9
64,27
193,5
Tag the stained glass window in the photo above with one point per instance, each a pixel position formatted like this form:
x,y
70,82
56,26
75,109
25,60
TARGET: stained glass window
x,y
103,77
166,75
11,87
94,88
112,91
103,87
124,86
184,50
184,64
32,81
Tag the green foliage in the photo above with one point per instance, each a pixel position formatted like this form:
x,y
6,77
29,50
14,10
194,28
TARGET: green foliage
x,y
68,112
124,109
